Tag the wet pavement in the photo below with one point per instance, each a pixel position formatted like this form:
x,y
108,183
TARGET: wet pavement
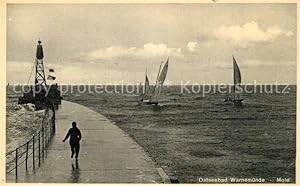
x,y
107,154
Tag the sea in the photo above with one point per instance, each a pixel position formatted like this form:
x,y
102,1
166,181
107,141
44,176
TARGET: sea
x,y
22,121
194,135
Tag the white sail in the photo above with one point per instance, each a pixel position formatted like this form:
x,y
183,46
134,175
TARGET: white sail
x,y
159,82
237,79
163,74
236,73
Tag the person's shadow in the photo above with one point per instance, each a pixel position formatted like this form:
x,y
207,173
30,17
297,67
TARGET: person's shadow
x,y
75,174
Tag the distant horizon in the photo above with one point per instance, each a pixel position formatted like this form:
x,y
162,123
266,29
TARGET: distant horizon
x,y
137,89
153,85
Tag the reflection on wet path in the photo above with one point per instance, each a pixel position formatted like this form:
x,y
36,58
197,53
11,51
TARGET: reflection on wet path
x,y
75,173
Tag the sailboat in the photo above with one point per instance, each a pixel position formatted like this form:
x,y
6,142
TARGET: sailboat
x,y
145,89
153,96
237,79
140,88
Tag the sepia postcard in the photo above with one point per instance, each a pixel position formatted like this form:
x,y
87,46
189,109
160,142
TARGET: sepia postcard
x,y
149,92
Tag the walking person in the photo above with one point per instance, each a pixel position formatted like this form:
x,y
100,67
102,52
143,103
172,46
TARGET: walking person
x,y
75,136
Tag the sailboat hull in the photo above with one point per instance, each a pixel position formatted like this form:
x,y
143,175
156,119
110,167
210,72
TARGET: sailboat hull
x,y
152,103
238,102
235,102
148,102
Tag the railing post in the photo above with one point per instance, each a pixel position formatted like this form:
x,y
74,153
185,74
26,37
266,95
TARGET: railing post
x,y
50,132
48,135
45,138
33,163
39,148
27,147
16,162
50,127
43,142
53,120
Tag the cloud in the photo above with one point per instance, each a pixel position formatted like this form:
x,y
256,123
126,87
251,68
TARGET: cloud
x,y
149,50
249,33
191,46
289,34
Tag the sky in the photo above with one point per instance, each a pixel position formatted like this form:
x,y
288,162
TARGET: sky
x,y
116,43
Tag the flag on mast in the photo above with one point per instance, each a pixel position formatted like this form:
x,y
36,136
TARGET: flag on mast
x,y
51,77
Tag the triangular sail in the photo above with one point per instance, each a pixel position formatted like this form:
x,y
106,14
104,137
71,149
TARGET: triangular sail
x,y
163,74
145,89
140,88
236,72
146,86
237,79
160,80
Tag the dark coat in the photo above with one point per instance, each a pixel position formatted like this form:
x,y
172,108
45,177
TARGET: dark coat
x,y
74,134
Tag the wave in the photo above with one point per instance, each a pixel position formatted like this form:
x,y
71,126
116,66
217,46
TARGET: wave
x,y
22,121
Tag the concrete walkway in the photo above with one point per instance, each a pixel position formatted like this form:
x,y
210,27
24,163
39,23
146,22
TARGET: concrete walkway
x,y
107,154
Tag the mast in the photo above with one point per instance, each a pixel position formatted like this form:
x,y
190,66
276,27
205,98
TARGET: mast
x,y
233,78
144,90
140,88
144,87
